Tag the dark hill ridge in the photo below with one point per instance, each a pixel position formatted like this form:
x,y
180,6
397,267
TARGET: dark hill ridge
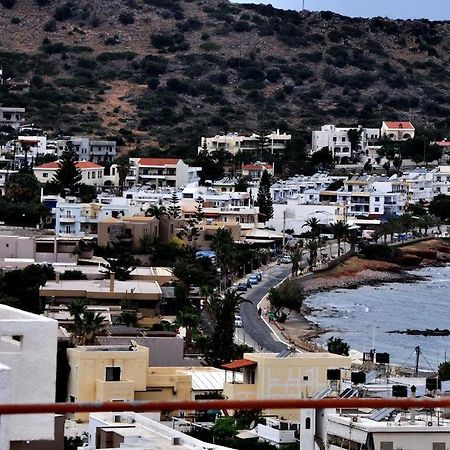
x,y
172,70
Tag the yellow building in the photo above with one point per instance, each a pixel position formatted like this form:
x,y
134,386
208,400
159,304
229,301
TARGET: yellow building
x,y
120,373
272,376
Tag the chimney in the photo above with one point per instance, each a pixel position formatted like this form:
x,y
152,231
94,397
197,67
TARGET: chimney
x,y
112,277
413,410
57,277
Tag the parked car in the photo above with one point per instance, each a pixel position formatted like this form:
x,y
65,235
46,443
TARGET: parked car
x,y
253,280
241,287
238,321
258,275
286,259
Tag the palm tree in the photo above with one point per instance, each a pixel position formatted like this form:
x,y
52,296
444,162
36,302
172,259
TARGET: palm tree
x,y
314,226
296,256
123,167
189,319
87,324
157,211
312,247
340,231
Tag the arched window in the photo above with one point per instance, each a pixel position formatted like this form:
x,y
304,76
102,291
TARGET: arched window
x,y
308,423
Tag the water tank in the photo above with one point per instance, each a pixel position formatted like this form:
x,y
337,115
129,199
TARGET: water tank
x,y
333,374
399,390
433,384
358,377
382,358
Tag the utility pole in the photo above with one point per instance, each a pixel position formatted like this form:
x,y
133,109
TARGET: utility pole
x,y
418,352
284,229
303,5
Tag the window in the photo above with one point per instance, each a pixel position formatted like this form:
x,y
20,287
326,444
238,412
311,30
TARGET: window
x,y
377,209
305,378
308,423
377,199
112,374
438,445
386,446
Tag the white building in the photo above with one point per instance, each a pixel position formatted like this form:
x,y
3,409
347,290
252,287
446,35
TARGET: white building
x,y
398,131
276,142
94,150
27,373
441,180
418,184
81,219
4,175
158,173
91,174
140,431
302,188
337,140
11,117
255,171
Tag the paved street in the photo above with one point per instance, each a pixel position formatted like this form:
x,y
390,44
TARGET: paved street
x,y
256,331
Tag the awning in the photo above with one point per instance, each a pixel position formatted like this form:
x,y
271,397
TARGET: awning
x,y
239,364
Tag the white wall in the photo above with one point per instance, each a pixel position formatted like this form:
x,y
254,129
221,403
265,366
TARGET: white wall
x,y
33,368
5,397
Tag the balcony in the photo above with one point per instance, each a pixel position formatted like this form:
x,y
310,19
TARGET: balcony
x,y
67,219
114,390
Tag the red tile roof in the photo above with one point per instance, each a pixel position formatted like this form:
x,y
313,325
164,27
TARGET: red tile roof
x,y
256,166
158,161
80,165
239,364
443,143
400,125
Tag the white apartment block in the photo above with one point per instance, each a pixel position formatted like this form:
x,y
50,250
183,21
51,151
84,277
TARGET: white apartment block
x,y
158,173
11,117
417,184
303,188
234,143
97,151
441,180
91,174
81,219
398,131
27,374
336,139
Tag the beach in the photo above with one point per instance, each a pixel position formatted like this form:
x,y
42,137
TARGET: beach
x,y
355,272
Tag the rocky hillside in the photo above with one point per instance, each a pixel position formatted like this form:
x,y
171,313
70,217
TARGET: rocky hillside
x,y
171,70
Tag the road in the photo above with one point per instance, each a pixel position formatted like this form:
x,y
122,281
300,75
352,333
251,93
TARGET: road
x,y
256,331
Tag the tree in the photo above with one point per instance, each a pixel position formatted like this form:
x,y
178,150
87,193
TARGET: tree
x,y
86,324
338,346
123,167
22,187
190,230
223,309
242,184
444,371
263,142
340,231
397,162
264,199
189,319
312,246
314,226
288,296
67,176
353,137
440,207
174,209
225,248
297,256
322,159
122,264
157,211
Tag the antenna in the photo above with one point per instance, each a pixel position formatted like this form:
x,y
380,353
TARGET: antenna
x,y
418,352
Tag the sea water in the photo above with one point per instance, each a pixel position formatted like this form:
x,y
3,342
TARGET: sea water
x,y
362,317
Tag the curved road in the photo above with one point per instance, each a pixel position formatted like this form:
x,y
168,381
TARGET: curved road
x,y
255,327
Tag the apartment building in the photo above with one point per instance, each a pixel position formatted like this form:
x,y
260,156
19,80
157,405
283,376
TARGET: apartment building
x,y
91,174
441,180
286,375
397,131
127,230
11,117
336,139
97,151
300,187
81,219
27,346
417,184
4,175
275,143
157,173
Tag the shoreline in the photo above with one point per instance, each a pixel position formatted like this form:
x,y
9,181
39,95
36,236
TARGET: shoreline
x,y
354,273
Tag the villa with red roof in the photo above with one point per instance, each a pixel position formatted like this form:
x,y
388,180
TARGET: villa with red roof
x,y
256,170
91,174
398,131
159,173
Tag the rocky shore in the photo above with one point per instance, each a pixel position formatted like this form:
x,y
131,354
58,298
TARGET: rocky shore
x,y
355,272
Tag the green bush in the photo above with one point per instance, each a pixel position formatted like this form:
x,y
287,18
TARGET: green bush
x,y
64,12
126,18
9,4
50,26
15,20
